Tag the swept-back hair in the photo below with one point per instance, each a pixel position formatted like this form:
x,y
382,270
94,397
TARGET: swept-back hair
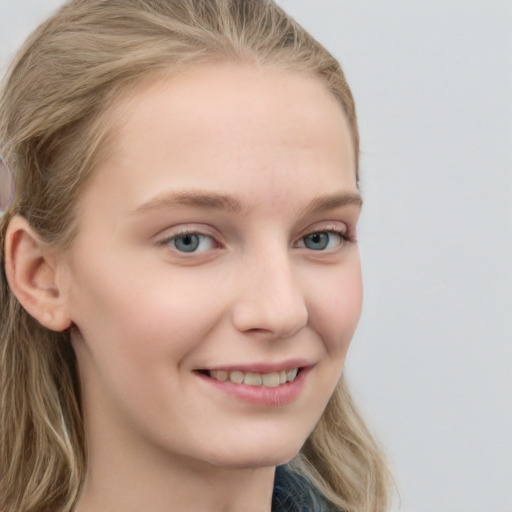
x,y
53,105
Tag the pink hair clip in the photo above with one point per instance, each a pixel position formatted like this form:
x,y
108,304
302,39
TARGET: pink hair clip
x,y
7,185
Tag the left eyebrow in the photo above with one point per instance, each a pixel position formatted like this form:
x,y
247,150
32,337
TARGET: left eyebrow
x,y
332,201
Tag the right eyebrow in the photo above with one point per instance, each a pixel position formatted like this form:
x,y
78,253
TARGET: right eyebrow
x,y
207,200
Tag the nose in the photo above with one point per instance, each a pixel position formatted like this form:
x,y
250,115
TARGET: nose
x,y
269,299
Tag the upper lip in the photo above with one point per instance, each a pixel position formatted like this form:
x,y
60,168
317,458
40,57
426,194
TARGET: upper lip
x,y
262,367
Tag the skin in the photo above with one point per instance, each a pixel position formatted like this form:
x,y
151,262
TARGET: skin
x,y
146,316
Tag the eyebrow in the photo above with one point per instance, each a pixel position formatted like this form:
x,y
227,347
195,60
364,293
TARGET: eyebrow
x,y
219,201
208,200
333,201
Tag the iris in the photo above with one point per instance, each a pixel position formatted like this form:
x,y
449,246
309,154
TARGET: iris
x,y
187,243
317,241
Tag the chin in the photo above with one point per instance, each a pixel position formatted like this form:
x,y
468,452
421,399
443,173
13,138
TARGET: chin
x,y
257,454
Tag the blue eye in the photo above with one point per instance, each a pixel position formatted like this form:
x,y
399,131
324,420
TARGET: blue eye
x,y
317,241
190,242
186,243
322,240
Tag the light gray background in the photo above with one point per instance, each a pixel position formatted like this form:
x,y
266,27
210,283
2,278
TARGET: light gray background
x,y
431,362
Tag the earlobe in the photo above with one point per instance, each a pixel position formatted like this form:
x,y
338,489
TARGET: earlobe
x,y
31,267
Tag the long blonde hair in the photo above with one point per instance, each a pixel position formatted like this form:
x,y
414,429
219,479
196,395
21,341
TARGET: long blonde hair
x,y
54,98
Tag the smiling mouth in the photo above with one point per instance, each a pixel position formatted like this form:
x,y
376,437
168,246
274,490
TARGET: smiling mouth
x,y
268,380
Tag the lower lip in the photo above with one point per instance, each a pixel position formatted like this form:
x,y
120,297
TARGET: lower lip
x,y
278,396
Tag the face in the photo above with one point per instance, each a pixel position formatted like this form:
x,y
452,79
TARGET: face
x,y
215,281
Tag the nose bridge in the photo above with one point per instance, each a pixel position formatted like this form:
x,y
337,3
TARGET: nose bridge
x,y
270,298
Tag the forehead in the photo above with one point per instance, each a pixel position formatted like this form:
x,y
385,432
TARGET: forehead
x,y
227,127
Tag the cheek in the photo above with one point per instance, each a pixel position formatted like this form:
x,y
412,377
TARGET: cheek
x,y
337,309
140,314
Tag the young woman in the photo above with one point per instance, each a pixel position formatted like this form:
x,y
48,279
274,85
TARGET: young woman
x,y
180,275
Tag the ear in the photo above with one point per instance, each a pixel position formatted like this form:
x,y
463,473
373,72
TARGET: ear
x,y
33,273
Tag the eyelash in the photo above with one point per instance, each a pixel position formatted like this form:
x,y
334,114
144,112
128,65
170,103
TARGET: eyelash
x,y
345,238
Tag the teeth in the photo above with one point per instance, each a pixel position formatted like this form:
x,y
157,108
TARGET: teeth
x,y
220,375
271,380
291,374
268,380
252,379
236,377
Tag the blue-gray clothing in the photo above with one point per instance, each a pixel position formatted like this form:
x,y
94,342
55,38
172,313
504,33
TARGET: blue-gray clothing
x,y
293,493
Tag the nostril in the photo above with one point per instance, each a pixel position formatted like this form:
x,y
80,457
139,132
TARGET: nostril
x,y
259,330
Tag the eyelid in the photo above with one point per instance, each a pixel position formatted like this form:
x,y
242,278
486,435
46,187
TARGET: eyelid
x,y
333,226
187,229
